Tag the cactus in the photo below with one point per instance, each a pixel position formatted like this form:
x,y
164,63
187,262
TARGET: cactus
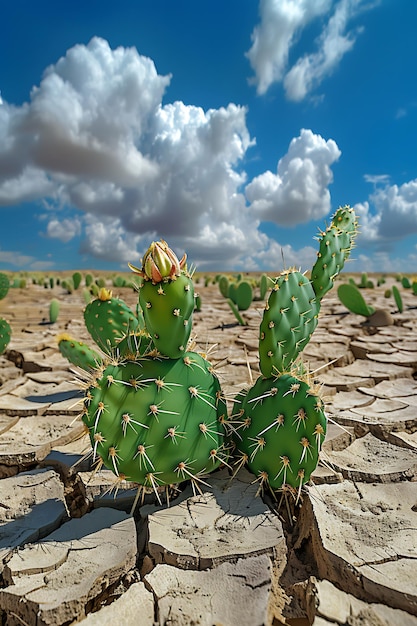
x,y
5,330
4,285
288,322
278,426
280,429
157,421
243,295
78,353
108,320
167,299
336,243
398,298
351,297
224,286
5,334
264,284
53,310
76,279
236,312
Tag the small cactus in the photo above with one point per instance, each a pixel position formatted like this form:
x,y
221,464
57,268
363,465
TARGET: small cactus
x,y
5,334
4,285
54,307
5,330
167,299
351,297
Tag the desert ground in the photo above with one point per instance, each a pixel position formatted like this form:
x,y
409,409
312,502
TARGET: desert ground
x,y
346,554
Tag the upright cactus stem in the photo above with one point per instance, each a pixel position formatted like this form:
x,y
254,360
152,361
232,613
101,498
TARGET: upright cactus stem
x,y
166,297
288,322
336,243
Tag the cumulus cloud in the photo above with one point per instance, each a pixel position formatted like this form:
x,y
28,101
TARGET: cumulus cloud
x,y
298,192
281,24
64,230
390,214
115,167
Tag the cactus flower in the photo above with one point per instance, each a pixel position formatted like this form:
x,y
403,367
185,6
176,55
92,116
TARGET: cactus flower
x,y
160,263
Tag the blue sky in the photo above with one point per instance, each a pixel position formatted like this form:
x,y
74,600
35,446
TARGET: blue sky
x,y
231,128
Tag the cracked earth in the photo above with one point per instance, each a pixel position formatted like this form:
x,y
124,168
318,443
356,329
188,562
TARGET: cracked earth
x,y
70,551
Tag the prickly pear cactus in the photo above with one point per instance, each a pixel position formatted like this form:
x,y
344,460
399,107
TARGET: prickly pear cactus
x,y
4,285
5,334
108,320
5,330
157,421
279,429
166,297
336,243
78,353
289,319
279,425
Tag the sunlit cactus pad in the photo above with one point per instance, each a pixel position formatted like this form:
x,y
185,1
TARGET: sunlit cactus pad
x,y
108,320
336,243
289,319
157,421
168,309
279,426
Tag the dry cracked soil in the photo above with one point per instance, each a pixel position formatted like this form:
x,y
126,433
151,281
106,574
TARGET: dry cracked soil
x,y
346,554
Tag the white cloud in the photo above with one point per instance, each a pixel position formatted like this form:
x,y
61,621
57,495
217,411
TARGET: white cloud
x,y
64,230
390,214
282,22
15,258
110,163
298,192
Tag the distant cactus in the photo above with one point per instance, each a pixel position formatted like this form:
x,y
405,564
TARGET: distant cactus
x,y
4,285
5,334
398,298
353,300
76,279
54,307
5,330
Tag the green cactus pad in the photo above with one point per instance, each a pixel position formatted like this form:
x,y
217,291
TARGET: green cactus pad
x,y
4,285
351,297
78,353
335,245
5,334
279,427
243,295
108,320
289,319
224,286
54,307
168,309
157,421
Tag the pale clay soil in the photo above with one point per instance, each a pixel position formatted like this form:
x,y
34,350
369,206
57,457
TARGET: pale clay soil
x,y
346,555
